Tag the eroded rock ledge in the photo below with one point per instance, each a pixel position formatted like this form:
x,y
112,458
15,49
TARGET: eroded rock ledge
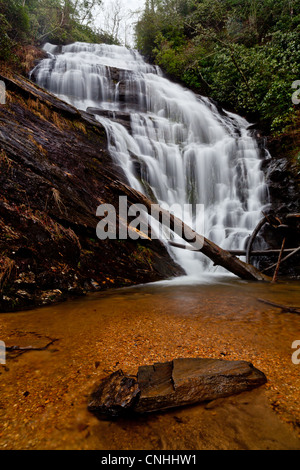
x,y
172,384
54,166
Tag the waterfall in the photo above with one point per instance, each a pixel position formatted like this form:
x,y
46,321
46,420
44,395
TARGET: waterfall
x,y
167,140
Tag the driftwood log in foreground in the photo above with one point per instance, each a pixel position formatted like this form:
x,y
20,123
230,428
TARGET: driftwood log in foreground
x,y
219,256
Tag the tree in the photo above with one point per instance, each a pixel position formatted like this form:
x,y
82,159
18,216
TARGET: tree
x,y
243,53
84,10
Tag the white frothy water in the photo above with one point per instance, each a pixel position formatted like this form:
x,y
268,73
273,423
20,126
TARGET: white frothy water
x,y
176,143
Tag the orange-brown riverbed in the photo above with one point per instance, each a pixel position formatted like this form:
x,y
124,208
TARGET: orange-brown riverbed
x,y
44,394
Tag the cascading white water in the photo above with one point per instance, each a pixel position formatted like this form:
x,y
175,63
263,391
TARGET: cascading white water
x,y
186,150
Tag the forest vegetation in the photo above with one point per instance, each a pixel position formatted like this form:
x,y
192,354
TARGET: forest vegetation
x,y
34,22
245,54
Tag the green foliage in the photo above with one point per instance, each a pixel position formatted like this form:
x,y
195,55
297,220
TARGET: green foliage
x,y
6,43
25,22
243,53
16,17
14,25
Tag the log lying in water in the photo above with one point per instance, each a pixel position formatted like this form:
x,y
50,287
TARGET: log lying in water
x,y
172,384
219,256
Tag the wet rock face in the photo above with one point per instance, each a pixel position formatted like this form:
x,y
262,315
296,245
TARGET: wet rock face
x,y
282,175
284,185
122,118
116,395
283,180
54,172
172,384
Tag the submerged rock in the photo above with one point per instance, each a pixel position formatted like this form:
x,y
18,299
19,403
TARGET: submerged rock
x,y
173,384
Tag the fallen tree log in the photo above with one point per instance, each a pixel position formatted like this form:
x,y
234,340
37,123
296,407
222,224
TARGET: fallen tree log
x,y
239,252
219,256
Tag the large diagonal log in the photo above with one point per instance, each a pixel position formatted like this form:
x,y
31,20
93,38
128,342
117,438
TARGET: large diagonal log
x,y
219,256
291,251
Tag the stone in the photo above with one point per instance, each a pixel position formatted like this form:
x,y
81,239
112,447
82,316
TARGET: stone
x,y
123,118
116,394
172,384
196,380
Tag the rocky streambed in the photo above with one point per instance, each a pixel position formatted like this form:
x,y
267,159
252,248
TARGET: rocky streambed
x,y
45,393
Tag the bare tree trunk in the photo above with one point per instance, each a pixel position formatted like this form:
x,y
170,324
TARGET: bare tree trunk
x,y
278,262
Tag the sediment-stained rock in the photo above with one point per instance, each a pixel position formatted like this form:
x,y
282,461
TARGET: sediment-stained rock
x,y
172,384
116,394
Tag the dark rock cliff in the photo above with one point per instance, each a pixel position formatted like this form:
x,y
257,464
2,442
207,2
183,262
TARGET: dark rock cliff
x,y
282,175
54,173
